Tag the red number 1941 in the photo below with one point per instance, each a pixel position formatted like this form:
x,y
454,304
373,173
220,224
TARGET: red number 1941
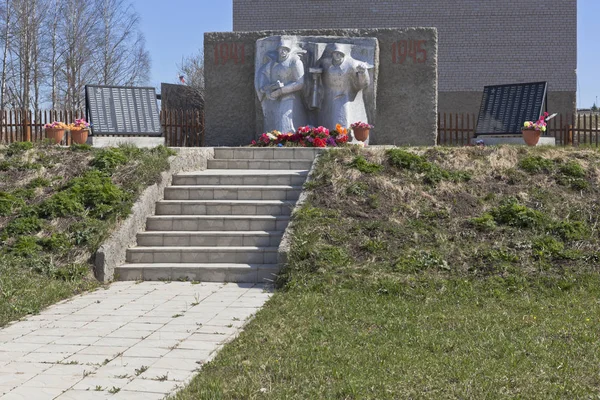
x,y
404,49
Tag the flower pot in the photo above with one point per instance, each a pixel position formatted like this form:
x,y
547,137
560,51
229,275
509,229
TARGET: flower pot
x,y
79,136
531,136
55,134
361,134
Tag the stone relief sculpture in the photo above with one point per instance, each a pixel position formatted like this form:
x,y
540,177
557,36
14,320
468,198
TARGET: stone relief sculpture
x,y
279,83
344,78
315,81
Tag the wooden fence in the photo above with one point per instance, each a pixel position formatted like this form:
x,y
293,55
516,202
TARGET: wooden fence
x,y
570,130
181,128
185,128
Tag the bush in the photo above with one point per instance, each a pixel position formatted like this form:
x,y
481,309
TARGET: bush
x,y
89,232
511,213
38,182
108,159
26,246
56,243
536,164
18,148
484,223
100,195
8,203
570,230
572,169
361,164
61,204
23,226
433,174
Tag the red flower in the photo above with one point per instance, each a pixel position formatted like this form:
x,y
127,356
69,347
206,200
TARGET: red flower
x,y
318,142
341,139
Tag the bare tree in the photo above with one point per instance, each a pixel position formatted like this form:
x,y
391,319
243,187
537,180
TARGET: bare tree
x,y
191,70
122,58
6,36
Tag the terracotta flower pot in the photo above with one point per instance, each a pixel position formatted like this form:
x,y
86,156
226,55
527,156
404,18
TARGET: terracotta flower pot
x,y
361,134
55,134
79,136
531,136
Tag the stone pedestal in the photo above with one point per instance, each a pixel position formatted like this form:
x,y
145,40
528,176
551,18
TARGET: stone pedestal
x,y
493,140
111,141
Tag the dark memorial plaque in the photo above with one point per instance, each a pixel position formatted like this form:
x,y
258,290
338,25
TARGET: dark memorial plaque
x,y
504,108
119,110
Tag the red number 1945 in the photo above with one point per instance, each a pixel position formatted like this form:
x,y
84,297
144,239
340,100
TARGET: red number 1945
x,y
404,49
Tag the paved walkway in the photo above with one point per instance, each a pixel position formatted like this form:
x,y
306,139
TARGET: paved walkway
x,y
130,341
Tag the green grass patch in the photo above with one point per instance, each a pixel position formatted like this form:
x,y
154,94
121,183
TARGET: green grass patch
x,y
57,206
479,280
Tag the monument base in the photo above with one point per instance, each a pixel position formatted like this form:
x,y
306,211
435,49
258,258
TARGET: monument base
x,y
493,140
112,141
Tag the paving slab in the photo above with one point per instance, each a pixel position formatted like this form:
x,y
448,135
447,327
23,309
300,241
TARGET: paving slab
x,y
128,341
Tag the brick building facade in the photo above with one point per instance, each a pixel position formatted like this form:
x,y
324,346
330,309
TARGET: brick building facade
x,y
481,42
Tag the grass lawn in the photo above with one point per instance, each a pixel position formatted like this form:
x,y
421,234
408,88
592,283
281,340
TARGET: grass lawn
x,y
431,273
57,205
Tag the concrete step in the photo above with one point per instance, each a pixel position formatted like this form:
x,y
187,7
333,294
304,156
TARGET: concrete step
x,y
189,254
222,192
211,238
217,223
241,273
241,177
224,207
259,164
266,153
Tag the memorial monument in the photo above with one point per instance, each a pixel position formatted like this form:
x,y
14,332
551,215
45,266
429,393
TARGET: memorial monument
x,y
280,80
307,80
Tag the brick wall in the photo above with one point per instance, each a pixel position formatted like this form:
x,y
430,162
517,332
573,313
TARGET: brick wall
x,y
481,42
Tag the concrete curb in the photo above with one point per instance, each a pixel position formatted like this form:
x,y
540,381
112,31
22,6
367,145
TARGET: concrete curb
x,y
112,252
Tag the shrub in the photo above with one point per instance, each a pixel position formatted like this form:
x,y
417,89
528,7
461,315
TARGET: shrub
x,y
57,243
572,169
547,247
361,164
484,223
23,226
89,232
433,174
100,195
61,204
38,182
18,148
80,147
570,230
26,246
357,189
511,213
108,159
8,203
536,164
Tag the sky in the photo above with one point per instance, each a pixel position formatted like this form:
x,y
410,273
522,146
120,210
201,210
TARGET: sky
x,y
175,29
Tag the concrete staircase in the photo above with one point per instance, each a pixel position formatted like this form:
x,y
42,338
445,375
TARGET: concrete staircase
x,y
223,224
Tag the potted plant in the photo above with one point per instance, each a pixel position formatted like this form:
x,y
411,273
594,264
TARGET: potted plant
x,y
532,130
55,131
361,130
80,130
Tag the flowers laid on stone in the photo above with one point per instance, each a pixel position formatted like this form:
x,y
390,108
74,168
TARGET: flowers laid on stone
x,y
539,125
305,136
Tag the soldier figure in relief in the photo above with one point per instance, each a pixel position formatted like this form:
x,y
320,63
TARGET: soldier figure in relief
x,y
344,79
279,83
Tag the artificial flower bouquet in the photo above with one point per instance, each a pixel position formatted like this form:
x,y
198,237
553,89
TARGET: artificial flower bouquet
x,y
539,125
305,136
56,125
79,125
